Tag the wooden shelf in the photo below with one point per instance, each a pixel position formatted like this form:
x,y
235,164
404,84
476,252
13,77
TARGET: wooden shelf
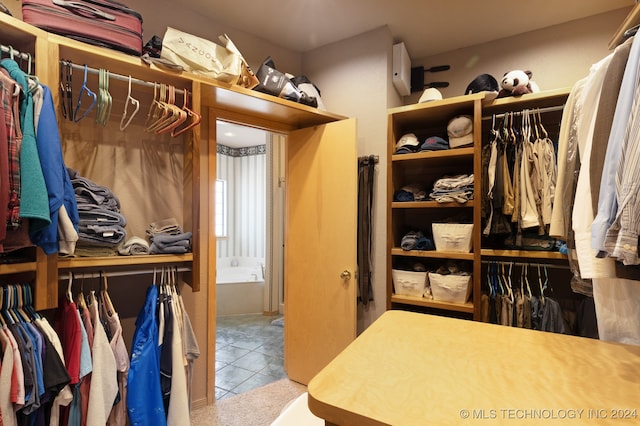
x,y
532,100
115,261
17,268
435,155
632,19
429,205
397,251
430,303
528,254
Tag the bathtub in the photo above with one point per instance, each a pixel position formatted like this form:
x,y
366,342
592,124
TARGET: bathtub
x,y
239,289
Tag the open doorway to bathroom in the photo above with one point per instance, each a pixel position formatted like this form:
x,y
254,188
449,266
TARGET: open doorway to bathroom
x,y
249,221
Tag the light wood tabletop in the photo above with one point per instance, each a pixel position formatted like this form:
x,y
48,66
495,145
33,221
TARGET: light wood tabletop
x,y
416,369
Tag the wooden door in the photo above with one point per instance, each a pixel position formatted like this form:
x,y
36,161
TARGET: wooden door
x,y
320,246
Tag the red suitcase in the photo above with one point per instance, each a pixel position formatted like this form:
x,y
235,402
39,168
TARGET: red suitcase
x,y
103,23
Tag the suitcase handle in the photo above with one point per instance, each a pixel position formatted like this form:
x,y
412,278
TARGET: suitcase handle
x,y
84,9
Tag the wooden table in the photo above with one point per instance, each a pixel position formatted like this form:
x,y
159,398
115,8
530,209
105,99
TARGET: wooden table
x,y
417,369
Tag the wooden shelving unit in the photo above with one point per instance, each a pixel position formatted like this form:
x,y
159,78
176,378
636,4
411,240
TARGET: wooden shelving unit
x,y
429,119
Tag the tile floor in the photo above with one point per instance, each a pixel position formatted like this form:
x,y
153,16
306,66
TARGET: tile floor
x,y
249,353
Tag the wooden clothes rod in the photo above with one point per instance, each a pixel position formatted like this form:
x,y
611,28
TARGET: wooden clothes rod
x,y
114,76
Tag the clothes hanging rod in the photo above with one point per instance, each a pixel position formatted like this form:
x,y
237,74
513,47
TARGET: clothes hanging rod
x,y
115,76
540,110
527,264
90,275
8,49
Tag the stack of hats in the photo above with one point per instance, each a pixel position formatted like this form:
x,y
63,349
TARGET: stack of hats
x,y
459,134
408,143
460,131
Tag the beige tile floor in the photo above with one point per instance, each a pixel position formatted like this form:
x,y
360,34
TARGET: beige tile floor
x,y
249,353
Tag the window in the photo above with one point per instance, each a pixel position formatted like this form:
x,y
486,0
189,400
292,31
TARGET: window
x,y
221,208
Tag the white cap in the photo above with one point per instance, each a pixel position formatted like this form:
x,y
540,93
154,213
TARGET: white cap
x,y
409,139
460,131
430,94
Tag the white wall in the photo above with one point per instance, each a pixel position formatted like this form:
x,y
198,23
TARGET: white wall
x,y
354,77
558,56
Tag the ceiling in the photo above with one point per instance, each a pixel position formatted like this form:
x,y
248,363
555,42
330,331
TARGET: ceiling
x,y
427,27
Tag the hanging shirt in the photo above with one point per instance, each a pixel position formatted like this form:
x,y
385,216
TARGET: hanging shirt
x,y
104,385
178,412
17,378
582,218
607,203
34,203
6,406
118,415
144,397
65,395
58,184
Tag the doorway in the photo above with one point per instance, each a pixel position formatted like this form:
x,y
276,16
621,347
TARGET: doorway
x,y
249,221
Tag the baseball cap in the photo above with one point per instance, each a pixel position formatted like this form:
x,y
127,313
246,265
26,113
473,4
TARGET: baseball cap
x,y
430,94
460,131
434,143
484,83
407,143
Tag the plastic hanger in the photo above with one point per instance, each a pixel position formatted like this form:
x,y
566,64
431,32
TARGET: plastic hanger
x,y
5,306
104,98
28,302
66,94
19,303
84,90
174,117
105,296
157,108
69,287
542,288
9,297
2,319
125,121
193,117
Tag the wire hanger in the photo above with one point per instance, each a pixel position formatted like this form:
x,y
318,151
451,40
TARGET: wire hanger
x,y
84,89
125,121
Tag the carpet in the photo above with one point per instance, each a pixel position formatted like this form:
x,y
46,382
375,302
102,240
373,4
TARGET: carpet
x,y
258,407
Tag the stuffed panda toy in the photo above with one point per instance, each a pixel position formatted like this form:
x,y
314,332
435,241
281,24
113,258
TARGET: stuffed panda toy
x,y
516,83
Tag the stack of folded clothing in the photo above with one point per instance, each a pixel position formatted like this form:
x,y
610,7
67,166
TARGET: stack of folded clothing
x,y
167,237
416,240
101,227
457,188
413,192
134,246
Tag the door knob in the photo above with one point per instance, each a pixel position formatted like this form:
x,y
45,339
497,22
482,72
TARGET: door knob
x,y
345,275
